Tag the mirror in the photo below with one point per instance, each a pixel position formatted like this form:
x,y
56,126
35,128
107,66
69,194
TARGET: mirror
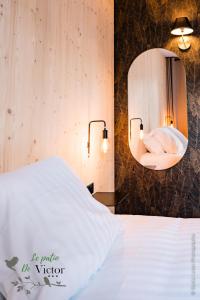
x,y
157,109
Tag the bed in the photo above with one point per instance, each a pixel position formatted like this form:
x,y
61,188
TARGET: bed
x,y
58,242
154,258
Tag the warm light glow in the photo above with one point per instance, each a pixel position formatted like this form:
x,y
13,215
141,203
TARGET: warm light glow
x,y
141,134
105,145
84,148
182,31
184,43
169,121
172,124
182,27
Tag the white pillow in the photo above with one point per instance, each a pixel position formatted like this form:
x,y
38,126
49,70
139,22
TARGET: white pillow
x,y
170,141
179,134
45,210
152,145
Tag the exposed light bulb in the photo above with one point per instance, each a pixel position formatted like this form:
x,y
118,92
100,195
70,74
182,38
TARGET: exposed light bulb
x,y
105,145
141,134
141,131
105,140
184,43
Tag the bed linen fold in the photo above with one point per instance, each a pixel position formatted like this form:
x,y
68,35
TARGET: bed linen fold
x,y
156,258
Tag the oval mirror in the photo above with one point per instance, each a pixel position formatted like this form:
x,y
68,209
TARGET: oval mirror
x,y
157,109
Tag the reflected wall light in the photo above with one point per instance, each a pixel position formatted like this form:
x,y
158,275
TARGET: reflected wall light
x,y
141,127
104,136
169,121
182,27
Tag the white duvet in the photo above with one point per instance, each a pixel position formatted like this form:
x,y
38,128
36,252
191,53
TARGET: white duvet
x,y
156,258
58,243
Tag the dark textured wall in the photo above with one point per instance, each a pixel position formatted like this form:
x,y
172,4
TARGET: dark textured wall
x,y
142,25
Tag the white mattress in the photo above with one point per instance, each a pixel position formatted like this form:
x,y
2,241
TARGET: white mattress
x,y
155,258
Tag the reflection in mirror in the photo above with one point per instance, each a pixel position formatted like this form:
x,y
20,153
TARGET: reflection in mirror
x,y
157,109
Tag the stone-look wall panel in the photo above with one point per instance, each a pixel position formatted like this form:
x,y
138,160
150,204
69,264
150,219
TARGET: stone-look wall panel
x,y
141,25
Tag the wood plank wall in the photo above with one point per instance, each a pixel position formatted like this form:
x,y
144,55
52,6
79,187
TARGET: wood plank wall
x,y
56,74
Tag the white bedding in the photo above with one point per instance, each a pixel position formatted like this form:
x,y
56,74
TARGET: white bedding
x,y
156,258
159,161
45,210
53,234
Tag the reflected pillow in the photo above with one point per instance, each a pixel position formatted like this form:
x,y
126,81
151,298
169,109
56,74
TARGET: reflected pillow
x,y
152,145
50,222
171,140
179,134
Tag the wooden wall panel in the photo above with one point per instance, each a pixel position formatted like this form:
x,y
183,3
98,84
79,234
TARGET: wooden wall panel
x,y
56,74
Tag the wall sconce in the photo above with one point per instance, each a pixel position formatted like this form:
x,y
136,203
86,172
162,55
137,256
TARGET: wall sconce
x,y
104,136
141,127
182,27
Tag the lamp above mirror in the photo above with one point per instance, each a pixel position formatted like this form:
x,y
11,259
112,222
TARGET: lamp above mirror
x,y
182,27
